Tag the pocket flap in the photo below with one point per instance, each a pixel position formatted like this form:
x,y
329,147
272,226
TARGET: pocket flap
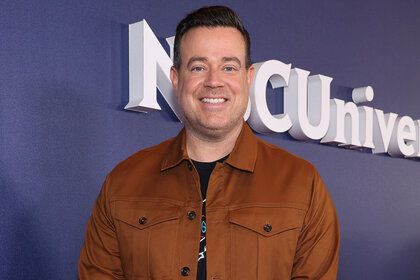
x,y
267,221
144,214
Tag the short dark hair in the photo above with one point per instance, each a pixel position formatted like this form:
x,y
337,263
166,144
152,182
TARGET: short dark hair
x,y
210,16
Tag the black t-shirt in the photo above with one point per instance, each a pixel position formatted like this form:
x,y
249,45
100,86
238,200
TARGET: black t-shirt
x,y
204,170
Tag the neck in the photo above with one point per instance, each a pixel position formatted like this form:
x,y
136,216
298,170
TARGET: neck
x,y
207,149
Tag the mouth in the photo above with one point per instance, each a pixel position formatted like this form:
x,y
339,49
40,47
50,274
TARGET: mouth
x,y
213,100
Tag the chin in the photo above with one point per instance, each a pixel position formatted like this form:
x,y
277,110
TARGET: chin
x,y
220,127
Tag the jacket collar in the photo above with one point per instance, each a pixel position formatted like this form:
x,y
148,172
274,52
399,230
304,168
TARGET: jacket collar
x,y
243,155
177,152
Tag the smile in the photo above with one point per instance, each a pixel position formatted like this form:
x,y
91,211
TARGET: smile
x,y
213,100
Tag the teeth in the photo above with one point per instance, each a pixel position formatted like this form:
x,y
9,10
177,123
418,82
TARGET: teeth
x,y
213,100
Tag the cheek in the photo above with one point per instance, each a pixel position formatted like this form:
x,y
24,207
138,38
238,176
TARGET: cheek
x,y
184,89
243,95
192,84
190,79
240,88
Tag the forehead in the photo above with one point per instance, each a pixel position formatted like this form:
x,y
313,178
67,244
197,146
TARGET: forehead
x,y
212,42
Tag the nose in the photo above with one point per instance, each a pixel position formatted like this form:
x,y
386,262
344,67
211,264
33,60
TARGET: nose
x,y
213,79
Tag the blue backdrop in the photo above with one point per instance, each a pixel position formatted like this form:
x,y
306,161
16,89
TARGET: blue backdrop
x,y
64,83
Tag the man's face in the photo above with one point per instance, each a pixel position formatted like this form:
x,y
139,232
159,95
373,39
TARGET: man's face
x,y
212,83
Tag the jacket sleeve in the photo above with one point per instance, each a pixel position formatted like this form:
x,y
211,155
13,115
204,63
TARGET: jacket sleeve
x,y
318,244
100,256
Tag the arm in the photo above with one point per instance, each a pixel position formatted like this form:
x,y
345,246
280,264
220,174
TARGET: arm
x,y
317,249
100,257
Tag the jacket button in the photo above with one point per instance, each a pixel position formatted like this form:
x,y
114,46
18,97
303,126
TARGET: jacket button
x,y
142,220
189,166
268,227
191,215
185,271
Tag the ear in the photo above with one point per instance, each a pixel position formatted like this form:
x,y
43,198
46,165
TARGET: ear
x,y
174,78
250,75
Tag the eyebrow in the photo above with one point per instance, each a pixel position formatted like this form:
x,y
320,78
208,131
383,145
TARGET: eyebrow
x,y
194,59
233,58
204,59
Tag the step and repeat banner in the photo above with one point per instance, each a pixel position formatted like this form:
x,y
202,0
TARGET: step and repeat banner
x,y
85,84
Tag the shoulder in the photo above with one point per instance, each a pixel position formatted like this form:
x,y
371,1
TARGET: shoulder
x,y
278,157
139,170
146,157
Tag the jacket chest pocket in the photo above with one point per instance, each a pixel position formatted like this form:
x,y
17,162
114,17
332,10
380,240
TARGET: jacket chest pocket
x,y
147,233
263,241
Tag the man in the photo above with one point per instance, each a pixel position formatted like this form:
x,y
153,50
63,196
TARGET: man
x,y
263,213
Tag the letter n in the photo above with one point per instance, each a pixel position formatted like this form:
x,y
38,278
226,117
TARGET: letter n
x,y
344,124
149,68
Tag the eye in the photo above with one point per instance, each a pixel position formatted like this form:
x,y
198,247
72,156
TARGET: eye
x,y
229,69
197,68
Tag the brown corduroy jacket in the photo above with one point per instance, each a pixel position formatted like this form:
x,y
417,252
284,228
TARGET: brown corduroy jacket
x,y
269,216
